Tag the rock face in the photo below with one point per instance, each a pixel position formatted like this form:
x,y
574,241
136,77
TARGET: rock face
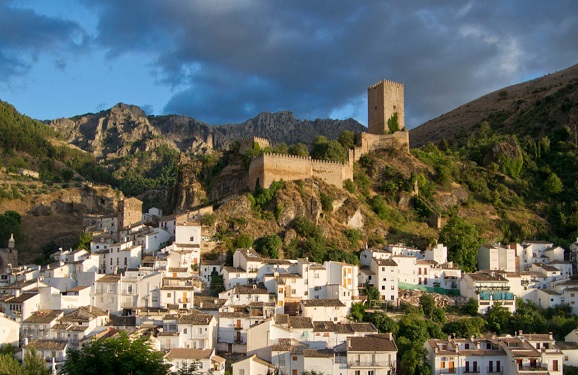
x,y
187,191
284,127
124,129
65,207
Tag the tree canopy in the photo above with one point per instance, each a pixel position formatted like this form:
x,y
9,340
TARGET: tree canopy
x,y
462,241
118,355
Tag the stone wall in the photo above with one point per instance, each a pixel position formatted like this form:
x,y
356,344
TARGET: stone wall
x,y
269,167
383,100
247,143
372,142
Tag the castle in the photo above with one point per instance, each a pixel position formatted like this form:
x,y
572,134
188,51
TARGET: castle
x,y
386,129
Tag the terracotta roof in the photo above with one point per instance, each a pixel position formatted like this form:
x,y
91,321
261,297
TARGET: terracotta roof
x,y
109,279
299,322
322,302
187,353
208,302
22,297
250,289
83,314
48,344
379,342
198,319
178,269
386,262
43,316
122,321
281,318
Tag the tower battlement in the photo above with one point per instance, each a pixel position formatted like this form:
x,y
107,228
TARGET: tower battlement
x,y
385,99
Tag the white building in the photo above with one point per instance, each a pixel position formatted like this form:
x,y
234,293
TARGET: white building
x,y
488,288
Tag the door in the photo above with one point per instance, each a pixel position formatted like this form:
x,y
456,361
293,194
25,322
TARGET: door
x,y
451,368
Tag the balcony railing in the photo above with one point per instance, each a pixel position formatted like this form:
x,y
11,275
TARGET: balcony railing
x,y
237,327
370,364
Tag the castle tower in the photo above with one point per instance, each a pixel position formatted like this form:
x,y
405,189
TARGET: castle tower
x,y
129,212
384,99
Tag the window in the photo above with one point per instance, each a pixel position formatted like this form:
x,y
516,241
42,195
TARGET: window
x,y
169,295
185,331
383,287
241,372
294,358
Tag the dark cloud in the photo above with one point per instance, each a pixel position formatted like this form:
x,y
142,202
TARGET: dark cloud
x,y
229,60
24,35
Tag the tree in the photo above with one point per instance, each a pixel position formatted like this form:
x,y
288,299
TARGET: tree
x,y
242,241
553,184
116,355
471,307
84,241
269,246
10,365
463,241
34,364
326,202
187,368
300,149
357,312
372,293
393,123
427,303
347,139
498,318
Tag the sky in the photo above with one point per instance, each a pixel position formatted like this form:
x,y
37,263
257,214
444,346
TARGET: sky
x,y
225,61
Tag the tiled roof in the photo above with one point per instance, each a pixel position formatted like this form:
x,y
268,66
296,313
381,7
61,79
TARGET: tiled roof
x,y
299,322
109,279
379,342
322,302
48,344
196,318
187,353
208,302
22,297
43,316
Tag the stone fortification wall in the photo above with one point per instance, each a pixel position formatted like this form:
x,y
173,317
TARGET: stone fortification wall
x,y
329,171
269,167
247,143
372,142
383,100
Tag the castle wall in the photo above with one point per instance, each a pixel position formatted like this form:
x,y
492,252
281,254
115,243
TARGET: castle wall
x,y
383,100
372,142
330,172
270,167
247,143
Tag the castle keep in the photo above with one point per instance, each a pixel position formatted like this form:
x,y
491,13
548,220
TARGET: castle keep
x,y
385,102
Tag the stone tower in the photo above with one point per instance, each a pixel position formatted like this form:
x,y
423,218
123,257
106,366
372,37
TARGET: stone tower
x,y
383,100
129,212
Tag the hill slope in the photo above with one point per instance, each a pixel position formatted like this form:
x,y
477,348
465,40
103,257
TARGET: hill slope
x,y
534,108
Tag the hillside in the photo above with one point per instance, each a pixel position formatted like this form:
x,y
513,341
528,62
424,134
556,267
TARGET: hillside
x,y
535,108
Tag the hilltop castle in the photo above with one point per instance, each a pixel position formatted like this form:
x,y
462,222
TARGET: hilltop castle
x,y
386,129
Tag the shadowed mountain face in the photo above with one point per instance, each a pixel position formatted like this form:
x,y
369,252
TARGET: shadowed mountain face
x,y
535,108
125,129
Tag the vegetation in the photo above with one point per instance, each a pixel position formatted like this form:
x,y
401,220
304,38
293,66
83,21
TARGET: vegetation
x,y
116,355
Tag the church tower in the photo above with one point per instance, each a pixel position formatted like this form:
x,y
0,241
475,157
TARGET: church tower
x,y
384,99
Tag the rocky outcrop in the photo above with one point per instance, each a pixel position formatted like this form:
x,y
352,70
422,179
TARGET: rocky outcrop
x,y
284,127
187,192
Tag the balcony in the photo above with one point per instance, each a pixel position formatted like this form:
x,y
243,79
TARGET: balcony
x,y
238,340
238,327
356,364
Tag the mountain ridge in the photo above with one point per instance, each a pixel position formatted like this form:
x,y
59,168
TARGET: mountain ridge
x,y
523,108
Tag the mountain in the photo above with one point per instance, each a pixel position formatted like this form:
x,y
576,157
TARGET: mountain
x,y
535,108
283,127
126,129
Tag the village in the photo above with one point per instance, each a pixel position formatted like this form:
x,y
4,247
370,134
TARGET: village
x,y
289,314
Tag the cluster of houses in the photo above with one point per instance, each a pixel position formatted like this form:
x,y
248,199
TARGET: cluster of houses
x,y
289,315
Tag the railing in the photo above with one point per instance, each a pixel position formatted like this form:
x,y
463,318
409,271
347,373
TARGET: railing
x,y
238,340
370,364
494,371
238,327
